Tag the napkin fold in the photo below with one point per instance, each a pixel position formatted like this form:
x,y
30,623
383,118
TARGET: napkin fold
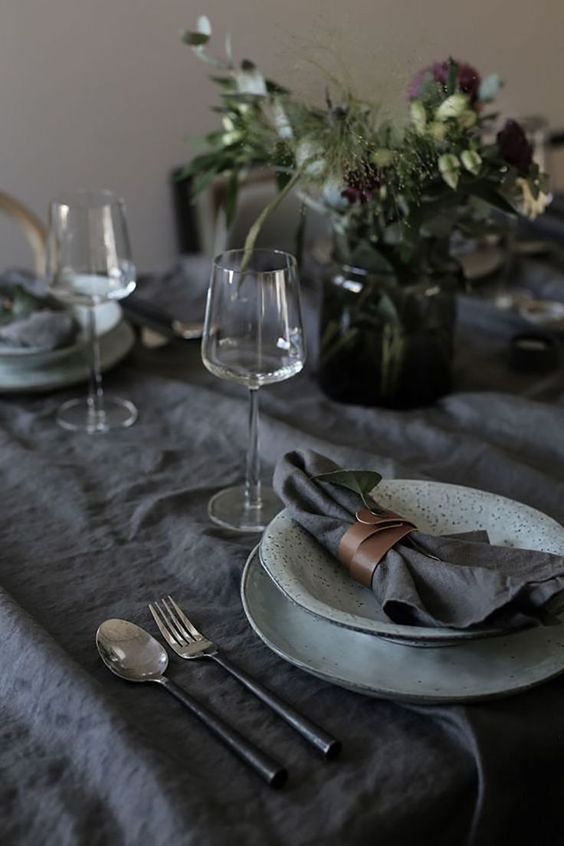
x,y
471,584
27,318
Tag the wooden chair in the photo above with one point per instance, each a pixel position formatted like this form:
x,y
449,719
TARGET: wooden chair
x,y
33,229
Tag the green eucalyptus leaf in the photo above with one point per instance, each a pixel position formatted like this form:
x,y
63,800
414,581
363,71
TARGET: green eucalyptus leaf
x,y
274,88
488,192
210,60
224,81
246,98
203,181
231,194
452,74
360,482
228,48
254,231
194,39
300,234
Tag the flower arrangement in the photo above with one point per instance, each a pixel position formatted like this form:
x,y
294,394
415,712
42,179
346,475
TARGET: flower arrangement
x,y
394,193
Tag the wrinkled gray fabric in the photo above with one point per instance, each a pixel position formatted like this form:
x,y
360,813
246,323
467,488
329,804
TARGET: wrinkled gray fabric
x,y
43,330
95,527
425,580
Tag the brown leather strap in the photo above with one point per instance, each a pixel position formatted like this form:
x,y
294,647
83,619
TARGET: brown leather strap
x,y
365,544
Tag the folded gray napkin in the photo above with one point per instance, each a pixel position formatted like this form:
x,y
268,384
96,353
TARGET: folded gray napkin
x,y
43,330
27,318
471,584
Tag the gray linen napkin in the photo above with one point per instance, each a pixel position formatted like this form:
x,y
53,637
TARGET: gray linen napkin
x,y
27,318
44,330
473,583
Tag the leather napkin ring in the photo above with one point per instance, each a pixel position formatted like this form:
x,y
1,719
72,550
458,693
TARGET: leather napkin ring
x,y
365,544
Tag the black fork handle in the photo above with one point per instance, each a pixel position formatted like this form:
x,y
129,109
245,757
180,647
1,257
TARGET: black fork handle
x,y
314,734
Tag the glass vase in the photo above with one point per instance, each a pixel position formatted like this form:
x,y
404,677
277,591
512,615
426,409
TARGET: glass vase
x,y
383,343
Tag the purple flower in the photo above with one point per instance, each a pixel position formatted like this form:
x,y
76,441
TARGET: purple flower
x,y
467,79
514,147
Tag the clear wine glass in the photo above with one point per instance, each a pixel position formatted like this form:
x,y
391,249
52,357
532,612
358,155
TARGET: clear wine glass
x,y
89,263
253,336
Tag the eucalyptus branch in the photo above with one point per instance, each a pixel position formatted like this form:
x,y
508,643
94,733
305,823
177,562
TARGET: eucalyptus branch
x,y
254,231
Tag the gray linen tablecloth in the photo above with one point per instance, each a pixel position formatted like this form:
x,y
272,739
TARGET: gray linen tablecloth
x,y
95,527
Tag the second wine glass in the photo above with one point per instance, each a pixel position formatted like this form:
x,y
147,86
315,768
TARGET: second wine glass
x,y
252,335
88,263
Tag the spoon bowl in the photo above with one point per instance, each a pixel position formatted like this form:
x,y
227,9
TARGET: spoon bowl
x,y
130,652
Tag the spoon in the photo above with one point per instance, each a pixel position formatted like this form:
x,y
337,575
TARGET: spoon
x,y
134,655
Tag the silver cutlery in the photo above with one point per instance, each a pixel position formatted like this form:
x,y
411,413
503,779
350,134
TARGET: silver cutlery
x,y
146,314
134,655
185,639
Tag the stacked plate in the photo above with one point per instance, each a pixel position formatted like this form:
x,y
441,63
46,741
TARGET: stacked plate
x,y
28,369
303,604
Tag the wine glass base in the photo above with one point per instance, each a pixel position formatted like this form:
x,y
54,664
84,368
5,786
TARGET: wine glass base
x,y
77,415
229,509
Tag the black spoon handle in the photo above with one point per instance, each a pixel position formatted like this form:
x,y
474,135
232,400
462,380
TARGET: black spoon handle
x,y
269,769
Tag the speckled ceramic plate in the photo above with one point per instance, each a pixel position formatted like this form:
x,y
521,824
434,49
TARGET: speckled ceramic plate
x,y
482,669
72,369
315,581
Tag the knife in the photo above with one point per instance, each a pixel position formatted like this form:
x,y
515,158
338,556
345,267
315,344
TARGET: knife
x,y
144,313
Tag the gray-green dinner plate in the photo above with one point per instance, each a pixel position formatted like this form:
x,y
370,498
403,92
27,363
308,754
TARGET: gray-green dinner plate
x,y
470,671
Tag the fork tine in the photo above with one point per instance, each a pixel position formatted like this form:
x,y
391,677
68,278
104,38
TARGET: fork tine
x,y
162,626
171,624
179,625
190,626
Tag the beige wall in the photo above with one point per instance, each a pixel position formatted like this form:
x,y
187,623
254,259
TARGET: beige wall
x,y
97,93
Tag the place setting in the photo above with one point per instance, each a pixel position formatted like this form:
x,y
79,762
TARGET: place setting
x,y
462,607
64,326
281,427
411,590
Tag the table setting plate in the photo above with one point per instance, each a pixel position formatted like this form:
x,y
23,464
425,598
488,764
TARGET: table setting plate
x,y
356,660
37,371
310,577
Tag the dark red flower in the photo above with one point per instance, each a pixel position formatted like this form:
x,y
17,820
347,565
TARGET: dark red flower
x,y
361,183
467,79
514,147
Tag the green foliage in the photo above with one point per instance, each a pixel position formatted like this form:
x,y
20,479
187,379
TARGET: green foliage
x,y
360,482
391,191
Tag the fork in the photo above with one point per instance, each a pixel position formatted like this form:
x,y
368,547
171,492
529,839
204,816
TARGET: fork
x,y
185,639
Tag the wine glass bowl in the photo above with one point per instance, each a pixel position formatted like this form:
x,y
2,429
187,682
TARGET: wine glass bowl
x,y
252,336
88,263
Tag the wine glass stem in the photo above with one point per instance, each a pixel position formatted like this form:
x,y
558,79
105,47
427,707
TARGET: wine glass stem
x,y
95,392
252,482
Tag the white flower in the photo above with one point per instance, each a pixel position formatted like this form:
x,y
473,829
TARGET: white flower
x,y
437,131
275,113
489,87
251,82
452,107
331,193
467,119
382,157
310,157
531,207
449,167
471,161
418,116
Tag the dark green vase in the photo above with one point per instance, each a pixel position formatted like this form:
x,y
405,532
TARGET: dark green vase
x,y
386,344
